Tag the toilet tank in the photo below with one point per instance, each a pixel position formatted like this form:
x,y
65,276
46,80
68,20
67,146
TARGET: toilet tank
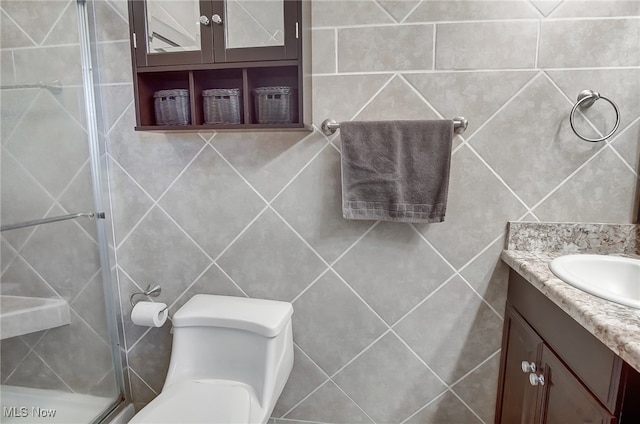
x,y
233,338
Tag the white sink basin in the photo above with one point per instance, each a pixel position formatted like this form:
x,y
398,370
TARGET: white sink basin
x,y
609,277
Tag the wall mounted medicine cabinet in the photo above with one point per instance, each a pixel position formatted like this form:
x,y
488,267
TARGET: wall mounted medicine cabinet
x,y
221,65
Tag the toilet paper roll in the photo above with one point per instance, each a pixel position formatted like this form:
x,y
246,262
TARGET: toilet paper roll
x,y
149,314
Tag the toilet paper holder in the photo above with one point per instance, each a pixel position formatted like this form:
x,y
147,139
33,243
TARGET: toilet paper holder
x,y
153,290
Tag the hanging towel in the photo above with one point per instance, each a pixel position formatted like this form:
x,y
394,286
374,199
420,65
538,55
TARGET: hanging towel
x,y
396,170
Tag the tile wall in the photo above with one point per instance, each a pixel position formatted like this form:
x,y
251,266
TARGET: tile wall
x,y
46,172
393,322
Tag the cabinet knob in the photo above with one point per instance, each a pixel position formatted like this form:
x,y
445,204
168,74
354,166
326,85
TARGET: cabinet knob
x,y
204,20
528,367
536,379
216,19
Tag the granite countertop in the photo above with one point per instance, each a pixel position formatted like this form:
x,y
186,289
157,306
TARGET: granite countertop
x,y
617,326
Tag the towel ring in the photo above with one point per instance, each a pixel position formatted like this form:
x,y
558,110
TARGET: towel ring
x,y
586,99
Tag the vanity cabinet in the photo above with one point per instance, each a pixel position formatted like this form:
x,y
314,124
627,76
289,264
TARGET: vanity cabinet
x,y
235,46
554,371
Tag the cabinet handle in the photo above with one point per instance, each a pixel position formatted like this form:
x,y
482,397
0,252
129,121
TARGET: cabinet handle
x,y
204,20
528,367
216,19
536,379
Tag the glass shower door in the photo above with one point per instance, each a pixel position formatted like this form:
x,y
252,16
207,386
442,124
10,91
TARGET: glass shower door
x,y
56,318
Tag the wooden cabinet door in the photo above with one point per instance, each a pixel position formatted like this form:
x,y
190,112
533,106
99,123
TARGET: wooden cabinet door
x,y
566,400
517,398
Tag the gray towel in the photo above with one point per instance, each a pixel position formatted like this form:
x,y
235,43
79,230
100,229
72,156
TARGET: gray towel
x,y
396,170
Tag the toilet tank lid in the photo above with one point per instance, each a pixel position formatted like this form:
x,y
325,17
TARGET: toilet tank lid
x,y
265,317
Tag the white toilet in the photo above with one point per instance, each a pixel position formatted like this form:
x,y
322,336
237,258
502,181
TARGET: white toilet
x,y
230,360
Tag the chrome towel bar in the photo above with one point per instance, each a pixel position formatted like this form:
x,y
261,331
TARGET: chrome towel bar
x,y
586,99
90,215
330,126
55,87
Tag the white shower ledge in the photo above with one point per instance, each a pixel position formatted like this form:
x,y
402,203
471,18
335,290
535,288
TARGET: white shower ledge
x,y
23,315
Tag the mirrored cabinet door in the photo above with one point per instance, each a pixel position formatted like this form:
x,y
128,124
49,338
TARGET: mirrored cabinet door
x,y
252,30
191,32
172,32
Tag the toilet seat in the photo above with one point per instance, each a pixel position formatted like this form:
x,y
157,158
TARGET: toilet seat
x,y
199,401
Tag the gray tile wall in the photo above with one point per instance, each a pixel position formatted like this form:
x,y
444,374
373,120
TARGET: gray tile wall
x,y
393,322
45,172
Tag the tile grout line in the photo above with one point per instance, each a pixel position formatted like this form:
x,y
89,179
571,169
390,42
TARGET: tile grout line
x,y
499,177
462,22
56,22
571,102
455,270
141,379
13,21
506,104
418,4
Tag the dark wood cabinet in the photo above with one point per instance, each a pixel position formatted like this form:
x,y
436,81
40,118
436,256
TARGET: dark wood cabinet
x,y
554,371
174,49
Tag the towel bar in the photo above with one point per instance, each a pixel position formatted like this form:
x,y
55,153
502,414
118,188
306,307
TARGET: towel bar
x,y
329,126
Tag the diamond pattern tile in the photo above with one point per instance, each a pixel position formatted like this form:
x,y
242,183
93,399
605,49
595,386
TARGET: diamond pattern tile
x,y
521,153
626,144
586,196
447,409
466,94
128,202
457,10
33,372
489,276
398,9
388,363
329,404
312,204
83,350
475,196
328,88
268,160
157,251
461,334
269,261
43,12
332,325
149,358
393,269
34,200
64,243
305,378
228,200
12,34
396,101
141,158
546,7
618,85
56,139
479,387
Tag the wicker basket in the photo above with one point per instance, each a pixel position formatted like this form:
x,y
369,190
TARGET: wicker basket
x,y
221,106
172,107
274,105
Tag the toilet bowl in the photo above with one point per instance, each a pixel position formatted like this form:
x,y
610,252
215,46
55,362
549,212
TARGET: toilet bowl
x,y
230,360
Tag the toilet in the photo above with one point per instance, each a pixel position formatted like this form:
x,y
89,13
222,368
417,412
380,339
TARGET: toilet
x,y
230,359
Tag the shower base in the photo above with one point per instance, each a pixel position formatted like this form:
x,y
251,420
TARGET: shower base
x,y
27,405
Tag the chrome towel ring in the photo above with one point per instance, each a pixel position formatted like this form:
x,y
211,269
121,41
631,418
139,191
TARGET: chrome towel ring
x,y
586,99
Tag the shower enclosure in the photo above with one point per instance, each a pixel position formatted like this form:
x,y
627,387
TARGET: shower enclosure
x,y
60,355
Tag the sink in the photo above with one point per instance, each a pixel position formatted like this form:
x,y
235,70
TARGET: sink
x,y
610,277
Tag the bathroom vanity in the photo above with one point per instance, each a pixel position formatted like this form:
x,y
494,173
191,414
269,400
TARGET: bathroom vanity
x,y
567,356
